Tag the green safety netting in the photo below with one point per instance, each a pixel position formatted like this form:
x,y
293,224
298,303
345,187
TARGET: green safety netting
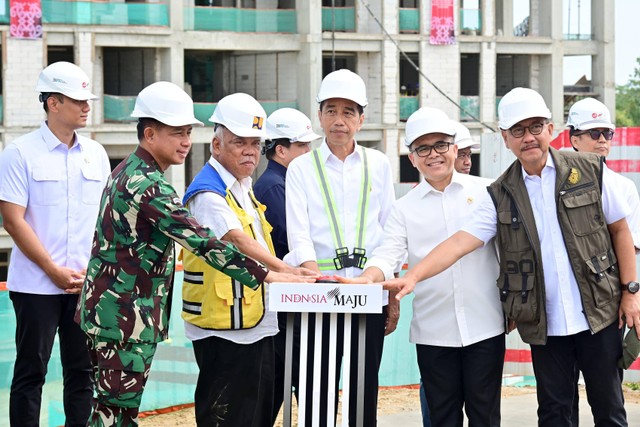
x,y
410,20
104,13
204,18
339,18
174,371
408,105
472,105
118,108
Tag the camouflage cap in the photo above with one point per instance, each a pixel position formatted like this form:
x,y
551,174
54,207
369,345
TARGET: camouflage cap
x,y
630,349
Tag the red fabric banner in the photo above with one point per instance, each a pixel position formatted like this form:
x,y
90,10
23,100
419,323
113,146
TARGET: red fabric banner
x,y
624,137
26,19
442,23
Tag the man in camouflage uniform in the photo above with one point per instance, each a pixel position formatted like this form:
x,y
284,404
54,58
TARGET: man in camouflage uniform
x,y
125,301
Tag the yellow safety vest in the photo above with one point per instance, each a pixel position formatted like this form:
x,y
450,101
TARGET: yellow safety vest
x,y
210,298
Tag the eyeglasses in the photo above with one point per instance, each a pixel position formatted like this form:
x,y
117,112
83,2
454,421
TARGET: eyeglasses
x,y
465,156
534,129
595,134
440,147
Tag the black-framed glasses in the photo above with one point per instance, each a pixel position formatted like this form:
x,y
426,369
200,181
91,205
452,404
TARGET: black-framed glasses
x,y
534,129
595,134
464,155
440,147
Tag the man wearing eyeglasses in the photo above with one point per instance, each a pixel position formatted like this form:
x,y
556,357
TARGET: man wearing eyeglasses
x,y
567,263
465,144
591,131
457,322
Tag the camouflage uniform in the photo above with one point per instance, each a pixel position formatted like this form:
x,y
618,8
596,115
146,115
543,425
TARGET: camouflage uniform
x,y
125,302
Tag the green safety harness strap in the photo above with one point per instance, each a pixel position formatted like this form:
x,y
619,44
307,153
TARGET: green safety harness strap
x,y
343,259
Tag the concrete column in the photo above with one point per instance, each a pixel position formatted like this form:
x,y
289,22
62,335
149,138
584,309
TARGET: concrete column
x,y
603,64
309,22
20,77
85,58
488,82
488,17
550,84
176,14
504,17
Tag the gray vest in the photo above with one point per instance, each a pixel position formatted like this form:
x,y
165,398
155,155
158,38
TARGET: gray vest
x,y
586,237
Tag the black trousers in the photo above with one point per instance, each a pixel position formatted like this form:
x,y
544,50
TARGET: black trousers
x,y
373,355
556,367
469,377
235,383
38,319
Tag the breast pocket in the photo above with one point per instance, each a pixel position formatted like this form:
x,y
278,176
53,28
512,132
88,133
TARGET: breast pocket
x,y
584,211
49,187
92,185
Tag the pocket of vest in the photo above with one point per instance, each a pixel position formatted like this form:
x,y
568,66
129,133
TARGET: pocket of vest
x,y
518,297
603,277
515,239
584,211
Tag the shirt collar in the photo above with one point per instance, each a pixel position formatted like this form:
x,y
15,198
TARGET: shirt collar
x,y
277,168
228,179
426,188
147,158
326,154
549,164
52,141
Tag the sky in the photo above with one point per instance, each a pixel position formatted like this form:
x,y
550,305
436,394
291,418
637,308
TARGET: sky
x,y
627,46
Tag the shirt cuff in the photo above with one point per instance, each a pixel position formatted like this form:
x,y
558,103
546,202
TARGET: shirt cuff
x,y
383,266
296,257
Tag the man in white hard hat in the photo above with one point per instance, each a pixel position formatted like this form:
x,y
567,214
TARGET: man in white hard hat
x,y
289,135
232,332
567,263
465,144
50,185
457,323
124,304
357,193
591,131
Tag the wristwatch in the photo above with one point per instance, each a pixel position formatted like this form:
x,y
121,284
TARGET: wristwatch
x,y
631,287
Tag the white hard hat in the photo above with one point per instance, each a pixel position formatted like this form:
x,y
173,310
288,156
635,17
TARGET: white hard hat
x,y
242,115
427,120
167,103
588,114
463,137
65,78
521,104
343,84
291,124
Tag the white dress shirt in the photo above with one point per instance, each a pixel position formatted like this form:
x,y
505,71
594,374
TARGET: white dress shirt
x,y
61,188
308,229
212,210
563,303
629,192
461,305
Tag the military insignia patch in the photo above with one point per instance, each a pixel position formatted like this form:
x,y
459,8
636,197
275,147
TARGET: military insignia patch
x,y
257,122
574,176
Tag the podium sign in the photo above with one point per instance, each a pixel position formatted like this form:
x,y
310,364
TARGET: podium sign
x,y
325,298
315,299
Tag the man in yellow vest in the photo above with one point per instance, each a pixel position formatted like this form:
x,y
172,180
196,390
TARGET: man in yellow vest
x,y
230,326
